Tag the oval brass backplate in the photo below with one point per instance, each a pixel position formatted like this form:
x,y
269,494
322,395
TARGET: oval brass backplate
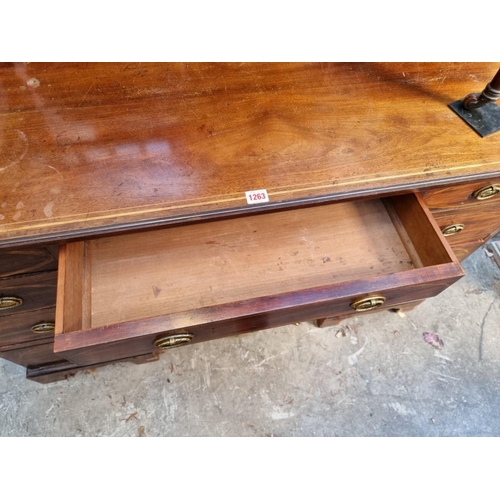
x,y
368,303
452,229
486,192
43,327
171,340
10,302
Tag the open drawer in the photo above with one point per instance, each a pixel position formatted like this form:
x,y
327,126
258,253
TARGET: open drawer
x,y
132,294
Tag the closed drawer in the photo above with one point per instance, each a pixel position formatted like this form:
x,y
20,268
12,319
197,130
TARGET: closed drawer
x,y
120,296
467,225
28,327
470,194
26,261
463,250
27,293
33,355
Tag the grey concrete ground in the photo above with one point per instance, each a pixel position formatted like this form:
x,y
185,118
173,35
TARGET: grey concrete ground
x,y
371,376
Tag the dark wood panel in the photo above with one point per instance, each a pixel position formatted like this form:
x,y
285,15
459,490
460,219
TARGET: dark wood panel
x,y
449,197
17,328
481,223
32,356
28,260
37,291
95,148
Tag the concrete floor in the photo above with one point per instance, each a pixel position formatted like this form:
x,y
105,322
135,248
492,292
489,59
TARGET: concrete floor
x,y
380,379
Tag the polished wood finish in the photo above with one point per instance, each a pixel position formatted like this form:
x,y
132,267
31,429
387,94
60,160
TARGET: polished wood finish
x,y
258,271
463,250
98,148
451,197
480,223
37,291
33,355
28,260
90,152
16,330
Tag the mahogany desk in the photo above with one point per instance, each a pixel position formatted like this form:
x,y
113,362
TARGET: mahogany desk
x,y
129,221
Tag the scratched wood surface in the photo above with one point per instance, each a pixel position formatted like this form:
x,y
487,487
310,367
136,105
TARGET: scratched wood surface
x,y
96,148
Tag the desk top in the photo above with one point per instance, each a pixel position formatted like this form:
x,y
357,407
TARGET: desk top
x,y
91,149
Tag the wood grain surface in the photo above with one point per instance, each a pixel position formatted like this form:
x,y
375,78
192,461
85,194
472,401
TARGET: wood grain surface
x,y
37,291
227,277
98,148
17,330
33,355
123,278
460,196
481,223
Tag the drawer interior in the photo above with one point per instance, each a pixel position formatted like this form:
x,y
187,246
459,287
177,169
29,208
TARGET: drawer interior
x,y
134,276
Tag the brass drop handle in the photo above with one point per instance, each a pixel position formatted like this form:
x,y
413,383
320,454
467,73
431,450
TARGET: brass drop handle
x,y
452,229
171,340
10,302
486,192
368,303
43,327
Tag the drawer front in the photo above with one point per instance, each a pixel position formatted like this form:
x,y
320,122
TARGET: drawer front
x,y
27,293
138,337
463,250
28,327
480,223
470,194
27,261
32,356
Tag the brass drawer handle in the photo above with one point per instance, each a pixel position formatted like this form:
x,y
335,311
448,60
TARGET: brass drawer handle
x,y
368,303
486,192
43,327
10,302
173,340
452,229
